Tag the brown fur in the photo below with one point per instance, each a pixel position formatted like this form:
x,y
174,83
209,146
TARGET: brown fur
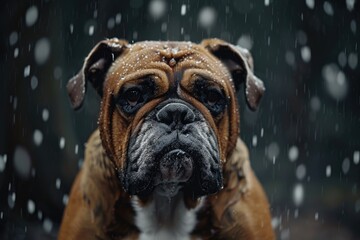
x,y
98,207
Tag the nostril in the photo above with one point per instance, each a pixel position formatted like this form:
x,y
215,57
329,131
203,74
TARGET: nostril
x,y
187,116
164,117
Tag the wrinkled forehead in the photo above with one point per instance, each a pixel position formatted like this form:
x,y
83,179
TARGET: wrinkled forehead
x,y
171,57
176,50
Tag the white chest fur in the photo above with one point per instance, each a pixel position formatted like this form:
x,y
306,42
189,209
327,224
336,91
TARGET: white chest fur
x,y
164,218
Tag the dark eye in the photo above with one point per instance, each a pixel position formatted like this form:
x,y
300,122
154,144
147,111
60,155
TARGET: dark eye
x,y
212,97
132,96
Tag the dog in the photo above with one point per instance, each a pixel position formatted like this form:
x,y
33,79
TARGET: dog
x,y
166,161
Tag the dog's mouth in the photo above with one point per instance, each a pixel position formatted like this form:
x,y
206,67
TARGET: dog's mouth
x,y
184,165
174,171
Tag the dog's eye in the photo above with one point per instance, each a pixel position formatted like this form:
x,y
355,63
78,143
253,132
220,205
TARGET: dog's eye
x,y
131,99
211,96
214,100
132,96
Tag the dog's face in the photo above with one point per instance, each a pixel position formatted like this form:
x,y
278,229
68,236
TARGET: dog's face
x,y
169,115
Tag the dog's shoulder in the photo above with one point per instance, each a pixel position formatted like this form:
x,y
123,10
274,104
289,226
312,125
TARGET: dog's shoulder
x,y
97,197
96,163
241,207
98,183
237,180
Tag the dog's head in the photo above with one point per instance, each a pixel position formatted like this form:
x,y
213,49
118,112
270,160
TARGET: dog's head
x,y
169,115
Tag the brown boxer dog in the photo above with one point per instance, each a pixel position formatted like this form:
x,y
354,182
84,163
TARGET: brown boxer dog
x,y
166,161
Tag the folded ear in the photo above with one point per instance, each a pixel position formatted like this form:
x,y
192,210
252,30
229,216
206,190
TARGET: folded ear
x,y
95,68
239,62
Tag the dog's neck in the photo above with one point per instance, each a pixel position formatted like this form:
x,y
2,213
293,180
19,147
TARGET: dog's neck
x,y
165,218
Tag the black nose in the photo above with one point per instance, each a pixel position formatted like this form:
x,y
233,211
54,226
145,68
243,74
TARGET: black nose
x,y
175,115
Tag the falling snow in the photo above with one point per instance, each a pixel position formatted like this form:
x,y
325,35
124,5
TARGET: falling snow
x,y
293,153
15,103
37,137
40,215
285,234
328,171
45,115
65,199
71,27
306,54
163,27
328,8
301,37
310,3
42,50
16,52
275,222
315,104
356,157
353,60
357,206
3,160
245,41
13,38
90,27
342,59
353,26
12,200
273,151
254,141
183,10
207,17
350,4
118,18
346,165
91,30
298,194
57,72
34,82
31,206
300,172
22,162
335,81
47,225
31,16
58,183
157,8
111,23
27,71
296,213
62,143
290,58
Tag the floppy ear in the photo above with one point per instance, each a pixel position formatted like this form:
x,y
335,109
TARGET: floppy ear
x,y
95,67
239,62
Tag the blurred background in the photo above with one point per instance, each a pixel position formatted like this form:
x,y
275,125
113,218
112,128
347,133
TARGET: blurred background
x,y
304,140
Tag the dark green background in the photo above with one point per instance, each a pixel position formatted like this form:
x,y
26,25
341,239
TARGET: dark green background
x,y
331,206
